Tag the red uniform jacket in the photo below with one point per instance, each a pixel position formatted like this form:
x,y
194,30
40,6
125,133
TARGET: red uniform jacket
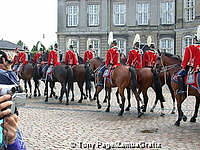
x,y
36,57
112,57
22,58
15,60
135,58
71,58
192,57
88,55
53,58
149,58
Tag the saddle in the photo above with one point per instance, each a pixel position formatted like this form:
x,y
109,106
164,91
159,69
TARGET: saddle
x,y
191,79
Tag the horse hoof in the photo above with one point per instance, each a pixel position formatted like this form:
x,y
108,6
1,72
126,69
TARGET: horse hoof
x,y
184,118
151,110
140,114
144,110
172,112
39,95
46,100
72,99
50,96
107,110
193,119
85,97
127,109
80,101
120,105
162,114
35,95
66,103
120,114
177,123
30,97
99,106
105,101
56,97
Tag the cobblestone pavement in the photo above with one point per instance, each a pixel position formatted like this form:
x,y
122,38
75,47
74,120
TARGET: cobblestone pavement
x,y
54,126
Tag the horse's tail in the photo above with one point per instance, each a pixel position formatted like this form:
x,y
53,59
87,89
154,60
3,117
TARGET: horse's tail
x,y
70,77
88,77
157,86
133,78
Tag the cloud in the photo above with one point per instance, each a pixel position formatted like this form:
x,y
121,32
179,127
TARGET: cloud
x,y
28,20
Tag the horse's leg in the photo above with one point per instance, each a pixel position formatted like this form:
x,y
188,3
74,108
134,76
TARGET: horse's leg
x,y
39,94
162,109
193,119
129,98
173,97
97,91
109,97
137,96
106,96
181,116
146,99
121,92
30,87
94,97
46,88
35,89
155,103
118,101
66,94
61,92
25,86
80,85
72,89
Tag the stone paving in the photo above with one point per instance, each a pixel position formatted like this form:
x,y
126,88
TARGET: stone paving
x,y
54,126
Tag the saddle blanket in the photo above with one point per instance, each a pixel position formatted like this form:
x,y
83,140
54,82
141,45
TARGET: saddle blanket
x,y
192,80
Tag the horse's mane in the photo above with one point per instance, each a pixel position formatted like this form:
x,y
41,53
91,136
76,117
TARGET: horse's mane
x,y
177,57
99,58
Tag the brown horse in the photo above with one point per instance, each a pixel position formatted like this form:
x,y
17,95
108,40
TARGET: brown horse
x,y
26,74
122,77
169,64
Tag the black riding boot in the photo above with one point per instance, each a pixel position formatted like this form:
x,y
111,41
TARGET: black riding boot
x,y
181,89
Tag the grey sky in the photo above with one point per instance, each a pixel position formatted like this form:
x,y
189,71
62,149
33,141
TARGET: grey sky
x,y
28,20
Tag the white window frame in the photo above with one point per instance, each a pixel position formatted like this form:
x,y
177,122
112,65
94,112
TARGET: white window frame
x,y
189,11
119,15
93,14
186,42
143,13
121,45
72,15
75,47
164,47
97,50
167,12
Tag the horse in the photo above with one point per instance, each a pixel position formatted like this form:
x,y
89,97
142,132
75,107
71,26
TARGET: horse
x,y
122,77
62,74
168,64
26,74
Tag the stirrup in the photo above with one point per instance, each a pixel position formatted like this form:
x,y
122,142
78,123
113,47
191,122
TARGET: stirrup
x,y
181,92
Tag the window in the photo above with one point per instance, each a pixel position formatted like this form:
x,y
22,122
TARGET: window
x,y
75,44
96,46
189,10
142,13
122,45
167,13
187,40
93,15
119,13
167,45
72,15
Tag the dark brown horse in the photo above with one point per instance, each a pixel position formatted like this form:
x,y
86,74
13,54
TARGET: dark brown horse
x,y
26,74
122,77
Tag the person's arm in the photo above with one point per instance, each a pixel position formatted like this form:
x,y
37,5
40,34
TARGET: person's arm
x,y
186,58
10,125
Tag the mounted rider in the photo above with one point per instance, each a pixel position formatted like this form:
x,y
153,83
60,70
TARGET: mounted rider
x,y
190,63
135,55
37,55
20,60
70,56
112,59
151,55
89,54
53,61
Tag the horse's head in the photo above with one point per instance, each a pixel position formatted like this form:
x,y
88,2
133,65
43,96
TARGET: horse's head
x,y
170,59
